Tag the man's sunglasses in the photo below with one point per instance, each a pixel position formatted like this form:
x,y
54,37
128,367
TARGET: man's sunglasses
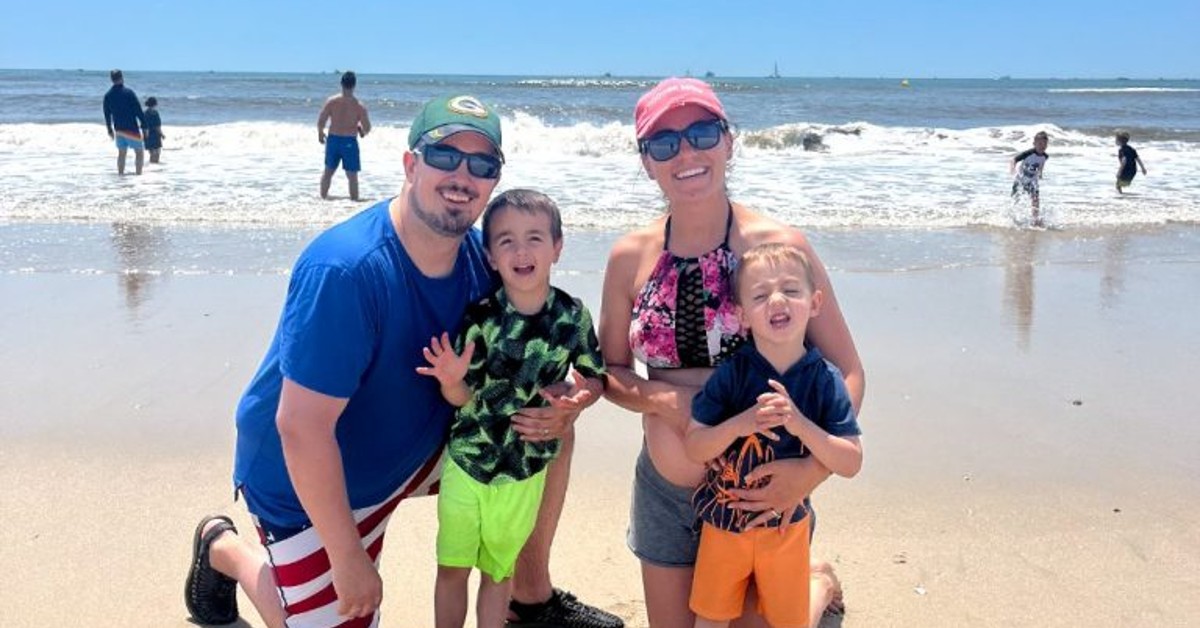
x,y
448,158
702,135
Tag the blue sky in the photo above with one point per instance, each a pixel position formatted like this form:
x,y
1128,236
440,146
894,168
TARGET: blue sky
x,y
870,38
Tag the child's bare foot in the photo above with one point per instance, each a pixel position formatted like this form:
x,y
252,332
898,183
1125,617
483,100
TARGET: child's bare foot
x,y
826,589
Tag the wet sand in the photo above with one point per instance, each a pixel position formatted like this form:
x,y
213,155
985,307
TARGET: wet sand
x,y
1030,448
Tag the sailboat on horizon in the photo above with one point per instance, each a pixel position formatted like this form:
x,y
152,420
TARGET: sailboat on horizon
x,y
774,74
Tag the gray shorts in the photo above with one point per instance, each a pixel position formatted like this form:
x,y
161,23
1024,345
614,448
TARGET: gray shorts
x,y
663,528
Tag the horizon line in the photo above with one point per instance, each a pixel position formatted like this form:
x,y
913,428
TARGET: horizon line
x,y
632,76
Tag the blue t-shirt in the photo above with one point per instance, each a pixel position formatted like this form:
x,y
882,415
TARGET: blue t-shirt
x,y
817,389
357,315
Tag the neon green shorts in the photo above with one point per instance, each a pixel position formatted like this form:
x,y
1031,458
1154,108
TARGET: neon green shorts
x,y
485,525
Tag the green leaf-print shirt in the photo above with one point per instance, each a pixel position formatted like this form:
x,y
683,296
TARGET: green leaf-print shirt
x,y
515,357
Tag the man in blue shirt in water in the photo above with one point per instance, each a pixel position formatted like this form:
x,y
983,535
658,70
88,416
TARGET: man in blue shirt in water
x,y
124,119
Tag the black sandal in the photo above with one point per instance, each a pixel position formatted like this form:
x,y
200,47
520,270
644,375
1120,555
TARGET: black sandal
x,y
210,595
562,610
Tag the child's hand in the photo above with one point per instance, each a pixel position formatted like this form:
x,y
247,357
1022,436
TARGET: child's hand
x,y
748,422
445,365
776,409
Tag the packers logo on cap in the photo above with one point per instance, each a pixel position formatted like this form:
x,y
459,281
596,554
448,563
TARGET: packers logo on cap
x,y
443,117
467,106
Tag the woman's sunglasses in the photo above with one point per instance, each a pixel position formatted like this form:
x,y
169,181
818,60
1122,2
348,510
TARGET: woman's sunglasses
x,y
448,158
702,135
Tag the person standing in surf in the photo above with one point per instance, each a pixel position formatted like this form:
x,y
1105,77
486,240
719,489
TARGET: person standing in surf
x,y
347,120
1130,162
1032,163
154,134
124,119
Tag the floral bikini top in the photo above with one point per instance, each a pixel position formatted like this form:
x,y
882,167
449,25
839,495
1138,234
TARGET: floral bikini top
x,y
684,316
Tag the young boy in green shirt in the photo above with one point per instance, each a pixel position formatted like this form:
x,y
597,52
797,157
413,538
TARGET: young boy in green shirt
x,y
514,343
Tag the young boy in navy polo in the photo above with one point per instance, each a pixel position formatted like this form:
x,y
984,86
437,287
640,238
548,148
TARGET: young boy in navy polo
x,y
775,398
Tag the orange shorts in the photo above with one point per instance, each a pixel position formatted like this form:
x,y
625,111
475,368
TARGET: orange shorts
x,y
776,563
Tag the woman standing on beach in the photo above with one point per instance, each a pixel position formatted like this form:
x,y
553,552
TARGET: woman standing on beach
x,y
667,302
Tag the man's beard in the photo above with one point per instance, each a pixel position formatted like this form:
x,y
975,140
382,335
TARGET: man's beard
x,y
445,224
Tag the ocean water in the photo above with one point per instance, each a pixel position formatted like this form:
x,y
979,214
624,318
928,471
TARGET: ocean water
x,y
831,155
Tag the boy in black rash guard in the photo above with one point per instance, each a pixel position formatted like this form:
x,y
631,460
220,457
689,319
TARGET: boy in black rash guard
x,y
1032,162
1130,162
154,134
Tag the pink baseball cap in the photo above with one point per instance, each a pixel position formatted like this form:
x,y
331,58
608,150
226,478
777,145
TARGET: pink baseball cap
x,y
671,93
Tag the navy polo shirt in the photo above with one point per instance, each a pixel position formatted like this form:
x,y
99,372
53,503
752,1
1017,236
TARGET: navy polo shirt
x,y
817,389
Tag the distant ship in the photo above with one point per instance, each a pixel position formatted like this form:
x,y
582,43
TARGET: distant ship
x,y
775,73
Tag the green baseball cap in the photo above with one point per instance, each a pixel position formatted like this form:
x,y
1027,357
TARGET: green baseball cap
x,y
443,117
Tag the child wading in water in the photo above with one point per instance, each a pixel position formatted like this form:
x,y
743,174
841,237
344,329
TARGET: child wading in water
x,y
154,134
1032,163
1130,162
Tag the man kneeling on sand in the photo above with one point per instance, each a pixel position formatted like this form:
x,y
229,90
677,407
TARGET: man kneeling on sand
x,y
337,427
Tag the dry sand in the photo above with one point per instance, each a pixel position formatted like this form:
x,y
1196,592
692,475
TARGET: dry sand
x,y
1030,436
